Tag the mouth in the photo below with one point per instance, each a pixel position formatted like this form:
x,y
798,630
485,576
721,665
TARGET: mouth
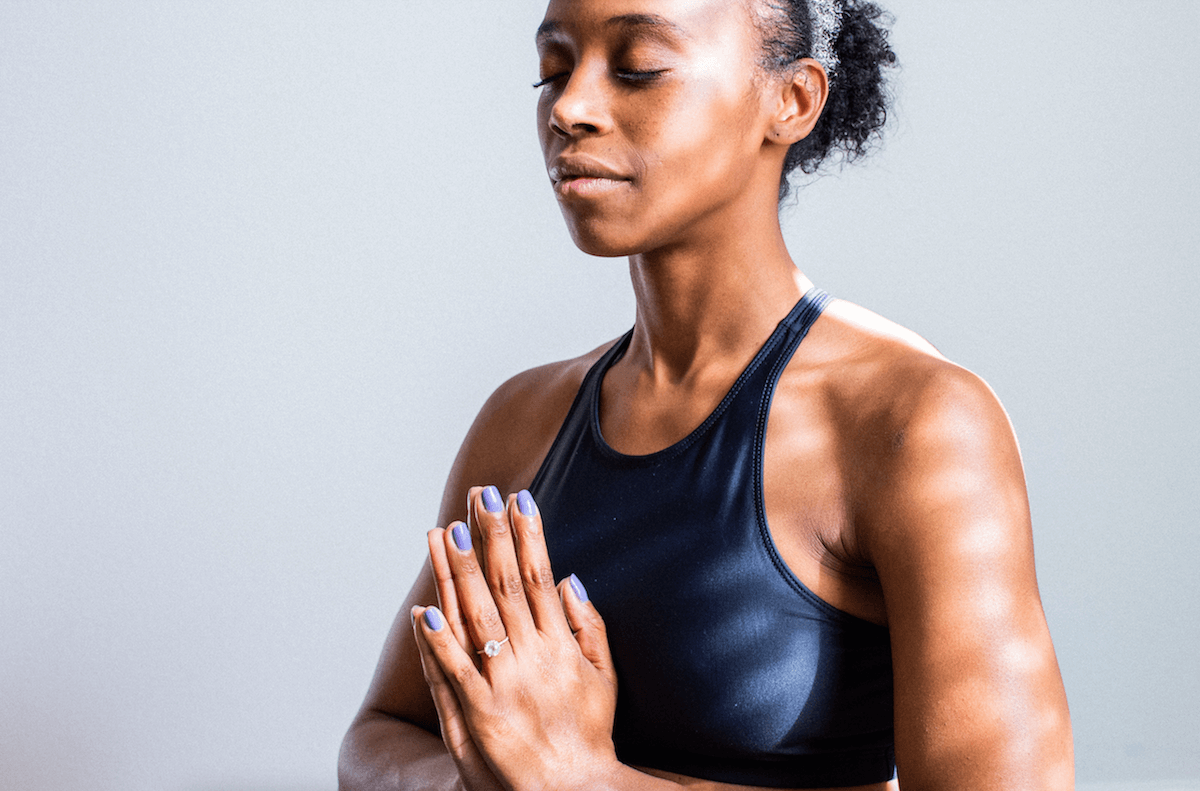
x,y
584,177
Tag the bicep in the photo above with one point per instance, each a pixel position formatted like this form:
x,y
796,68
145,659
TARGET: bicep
x,y
978,696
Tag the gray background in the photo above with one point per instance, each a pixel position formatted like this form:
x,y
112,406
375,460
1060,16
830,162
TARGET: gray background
x,y
261,262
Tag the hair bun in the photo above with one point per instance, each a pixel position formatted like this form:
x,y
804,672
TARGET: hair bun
x,y
859,97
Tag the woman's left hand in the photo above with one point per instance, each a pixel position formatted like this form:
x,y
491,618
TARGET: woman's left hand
x,y
539,708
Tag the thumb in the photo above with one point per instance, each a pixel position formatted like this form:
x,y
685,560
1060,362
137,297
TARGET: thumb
x,y
588,626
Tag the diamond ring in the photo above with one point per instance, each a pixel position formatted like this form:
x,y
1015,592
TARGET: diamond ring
x,y
492,647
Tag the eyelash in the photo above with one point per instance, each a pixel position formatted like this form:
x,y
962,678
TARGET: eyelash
x,y
634,77
641,77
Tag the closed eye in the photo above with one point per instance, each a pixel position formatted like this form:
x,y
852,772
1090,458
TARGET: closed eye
x,y
625,75
640,77
547,80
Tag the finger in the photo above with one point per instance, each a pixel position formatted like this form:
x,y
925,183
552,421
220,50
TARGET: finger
x,y
472,522
589,628
503,573
456,734
484,623
444,581
536,573
450,716
456,667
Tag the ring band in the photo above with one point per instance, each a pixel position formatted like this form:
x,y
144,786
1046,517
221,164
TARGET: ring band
x,y
492,647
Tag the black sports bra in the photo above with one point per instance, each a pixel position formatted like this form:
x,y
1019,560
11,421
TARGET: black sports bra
x,y
729,668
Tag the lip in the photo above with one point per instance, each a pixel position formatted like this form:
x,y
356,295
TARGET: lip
x,y
577,175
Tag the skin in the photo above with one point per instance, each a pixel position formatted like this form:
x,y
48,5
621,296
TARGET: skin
x,y
892,479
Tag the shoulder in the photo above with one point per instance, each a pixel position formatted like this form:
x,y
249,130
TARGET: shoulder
x,y
914,427
894,391
515,428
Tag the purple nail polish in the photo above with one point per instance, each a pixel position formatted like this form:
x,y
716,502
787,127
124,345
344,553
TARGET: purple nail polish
x,y
462,537
525,503
433,619
577,588
492,501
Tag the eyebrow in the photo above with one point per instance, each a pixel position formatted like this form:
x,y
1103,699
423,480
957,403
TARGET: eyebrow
x,y
654,24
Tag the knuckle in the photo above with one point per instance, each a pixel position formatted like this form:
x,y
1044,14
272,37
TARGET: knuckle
x,y
495,527
540,578
464,674
528,528
509,586
488,621
442,574
596,624
456,745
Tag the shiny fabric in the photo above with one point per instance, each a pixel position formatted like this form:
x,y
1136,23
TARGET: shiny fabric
x,y
729,668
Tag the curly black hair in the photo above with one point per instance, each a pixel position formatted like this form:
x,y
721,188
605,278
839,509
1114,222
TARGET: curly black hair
x,y
859,95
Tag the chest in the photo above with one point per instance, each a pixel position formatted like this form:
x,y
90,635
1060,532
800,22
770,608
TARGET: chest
x,y
718,646
806,485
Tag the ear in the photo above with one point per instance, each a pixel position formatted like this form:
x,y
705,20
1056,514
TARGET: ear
x,y
800,102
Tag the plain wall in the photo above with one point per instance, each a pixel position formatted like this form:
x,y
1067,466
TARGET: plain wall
x,y
260,263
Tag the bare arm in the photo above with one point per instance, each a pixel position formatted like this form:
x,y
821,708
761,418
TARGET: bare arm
x,y
394,741
978,695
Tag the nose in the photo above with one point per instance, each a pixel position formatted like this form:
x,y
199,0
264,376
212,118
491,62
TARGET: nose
x,y
581,108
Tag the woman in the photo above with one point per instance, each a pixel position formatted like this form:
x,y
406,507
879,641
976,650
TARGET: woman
x,y
806,531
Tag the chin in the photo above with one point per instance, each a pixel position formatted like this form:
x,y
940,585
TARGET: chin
x,y
602,248
600,239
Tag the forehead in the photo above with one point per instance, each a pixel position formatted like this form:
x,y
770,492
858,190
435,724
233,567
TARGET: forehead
x,y
684,20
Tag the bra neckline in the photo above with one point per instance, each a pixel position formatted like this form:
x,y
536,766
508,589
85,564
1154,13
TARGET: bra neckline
x,y
614,355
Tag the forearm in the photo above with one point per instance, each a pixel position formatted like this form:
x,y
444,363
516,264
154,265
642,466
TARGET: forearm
x,y
626,778
382,753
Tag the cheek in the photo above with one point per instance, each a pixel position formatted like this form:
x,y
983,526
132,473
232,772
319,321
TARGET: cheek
x,y
714,116
707,137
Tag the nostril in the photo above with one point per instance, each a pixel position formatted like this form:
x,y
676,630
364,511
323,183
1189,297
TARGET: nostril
x,y
577,110
572,128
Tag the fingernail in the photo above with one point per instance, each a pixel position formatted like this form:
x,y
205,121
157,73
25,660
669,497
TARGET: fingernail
x,y
525,503
462,537
577,588
492,501
433,619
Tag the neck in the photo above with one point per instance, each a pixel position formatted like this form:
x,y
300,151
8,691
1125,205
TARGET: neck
x,y
711,300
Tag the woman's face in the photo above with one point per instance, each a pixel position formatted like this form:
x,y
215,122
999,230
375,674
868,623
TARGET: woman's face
x,y
652,119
